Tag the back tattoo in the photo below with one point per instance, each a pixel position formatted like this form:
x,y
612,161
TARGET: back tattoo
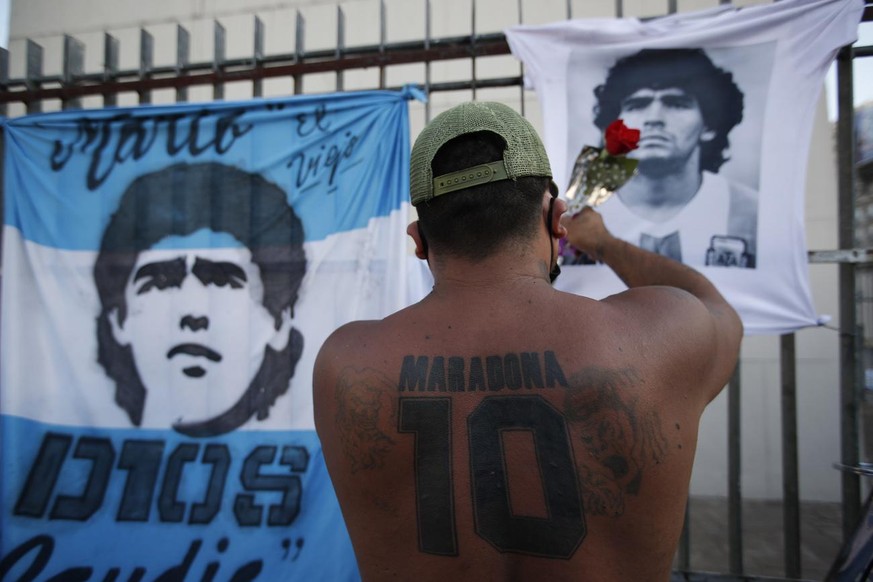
x,y
600,415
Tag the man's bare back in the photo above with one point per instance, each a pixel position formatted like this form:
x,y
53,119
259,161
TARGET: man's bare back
x,y
502,430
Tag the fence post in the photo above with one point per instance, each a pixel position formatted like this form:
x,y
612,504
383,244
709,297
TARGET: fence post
x,y
383,36
4,86
684,550
110,68
183,56
790,489
74,65
849,453
473,47
299,44
427,33
735,496
146,63
4,78
219,54
33,74
258,83
521,65
2,191
340,44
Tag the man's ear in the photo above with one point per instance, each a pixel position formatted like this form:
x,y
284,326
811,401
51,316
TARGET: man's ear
x,y
414,231
556,229
707,134
282,333
118,332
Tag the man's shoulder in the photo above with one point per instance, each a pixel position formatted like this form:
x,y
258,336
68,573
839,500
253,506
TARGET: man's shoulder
x,y
350,337
657,300
361,342
358,326
349,362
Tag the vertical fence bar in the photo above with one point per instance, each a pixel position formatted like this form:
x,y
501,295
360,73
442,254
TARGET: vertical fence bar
x,y
473,43
569,9
684,553
340,44
4,79
735,498
860,379
521,65
864,294
4,83
383,38
110,68
219,53
427,33
2,192
74,66
258,53
851,486
146,62
790,489
299,44
619,8
672,6
183,57
33,73
860,383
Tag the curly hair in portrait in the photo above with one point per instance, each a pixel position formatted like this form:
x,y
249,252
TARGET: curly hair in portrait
x,y
474,222
180,200
717,94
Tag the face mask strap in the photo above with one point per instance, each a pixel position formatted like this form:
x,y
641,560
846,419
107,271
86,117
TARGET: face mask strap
x,y
555,269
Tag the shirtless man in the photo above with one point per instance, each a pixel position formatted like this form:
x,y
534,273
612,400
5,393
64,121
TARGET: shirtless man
x,y
500,429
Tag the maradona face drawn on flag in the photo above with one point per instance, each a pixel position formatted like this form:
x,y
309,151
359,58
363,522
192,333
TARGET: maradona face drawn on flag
x,y
198,272
169,272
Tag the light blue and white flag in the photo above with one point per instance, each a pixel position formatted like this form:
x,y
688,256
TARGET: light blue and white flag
x,y
169,274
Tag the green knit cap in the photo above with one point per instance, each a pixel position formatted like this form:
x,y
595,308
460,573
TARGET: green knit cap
x,y
524,154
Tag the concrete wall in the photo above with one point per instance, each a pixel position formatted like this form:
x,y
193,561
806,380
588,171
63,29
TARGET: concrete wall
x,y
45,21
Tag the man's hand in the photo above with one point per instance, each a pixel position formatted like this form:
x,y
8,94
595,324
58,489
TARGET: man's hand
x,y
586,232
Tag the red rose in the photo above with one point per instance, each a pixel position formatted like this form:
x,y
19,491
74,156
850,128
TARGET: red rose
x,y
620,139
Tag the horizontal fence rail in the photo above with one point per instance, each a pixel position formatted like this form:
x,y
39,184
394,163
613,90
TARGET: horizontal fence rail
x,y
71,86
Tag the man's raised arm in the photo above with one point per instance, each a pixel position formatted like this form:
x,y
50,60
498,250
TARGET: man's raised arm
x,y
641,268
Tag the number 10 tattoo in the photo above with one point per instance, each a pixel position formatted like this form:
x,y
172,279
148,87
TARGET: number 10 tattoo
x,y
621,440
429,418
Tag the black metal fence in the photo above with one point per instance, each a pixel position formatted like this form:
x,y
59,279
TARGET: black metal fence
x,y
74,83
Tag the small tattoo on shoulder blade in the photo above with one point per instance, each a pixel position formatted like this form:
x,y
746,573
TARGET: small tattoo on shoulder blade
x,y
364,406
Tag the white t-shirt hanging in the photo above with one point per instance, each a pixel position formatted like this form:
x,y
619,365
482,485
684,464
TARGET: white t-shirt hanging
x,y
724,99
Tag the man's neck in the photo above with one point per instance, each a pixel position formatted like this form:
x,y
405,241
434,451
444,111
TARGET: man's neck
x,y
660,198
507,272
